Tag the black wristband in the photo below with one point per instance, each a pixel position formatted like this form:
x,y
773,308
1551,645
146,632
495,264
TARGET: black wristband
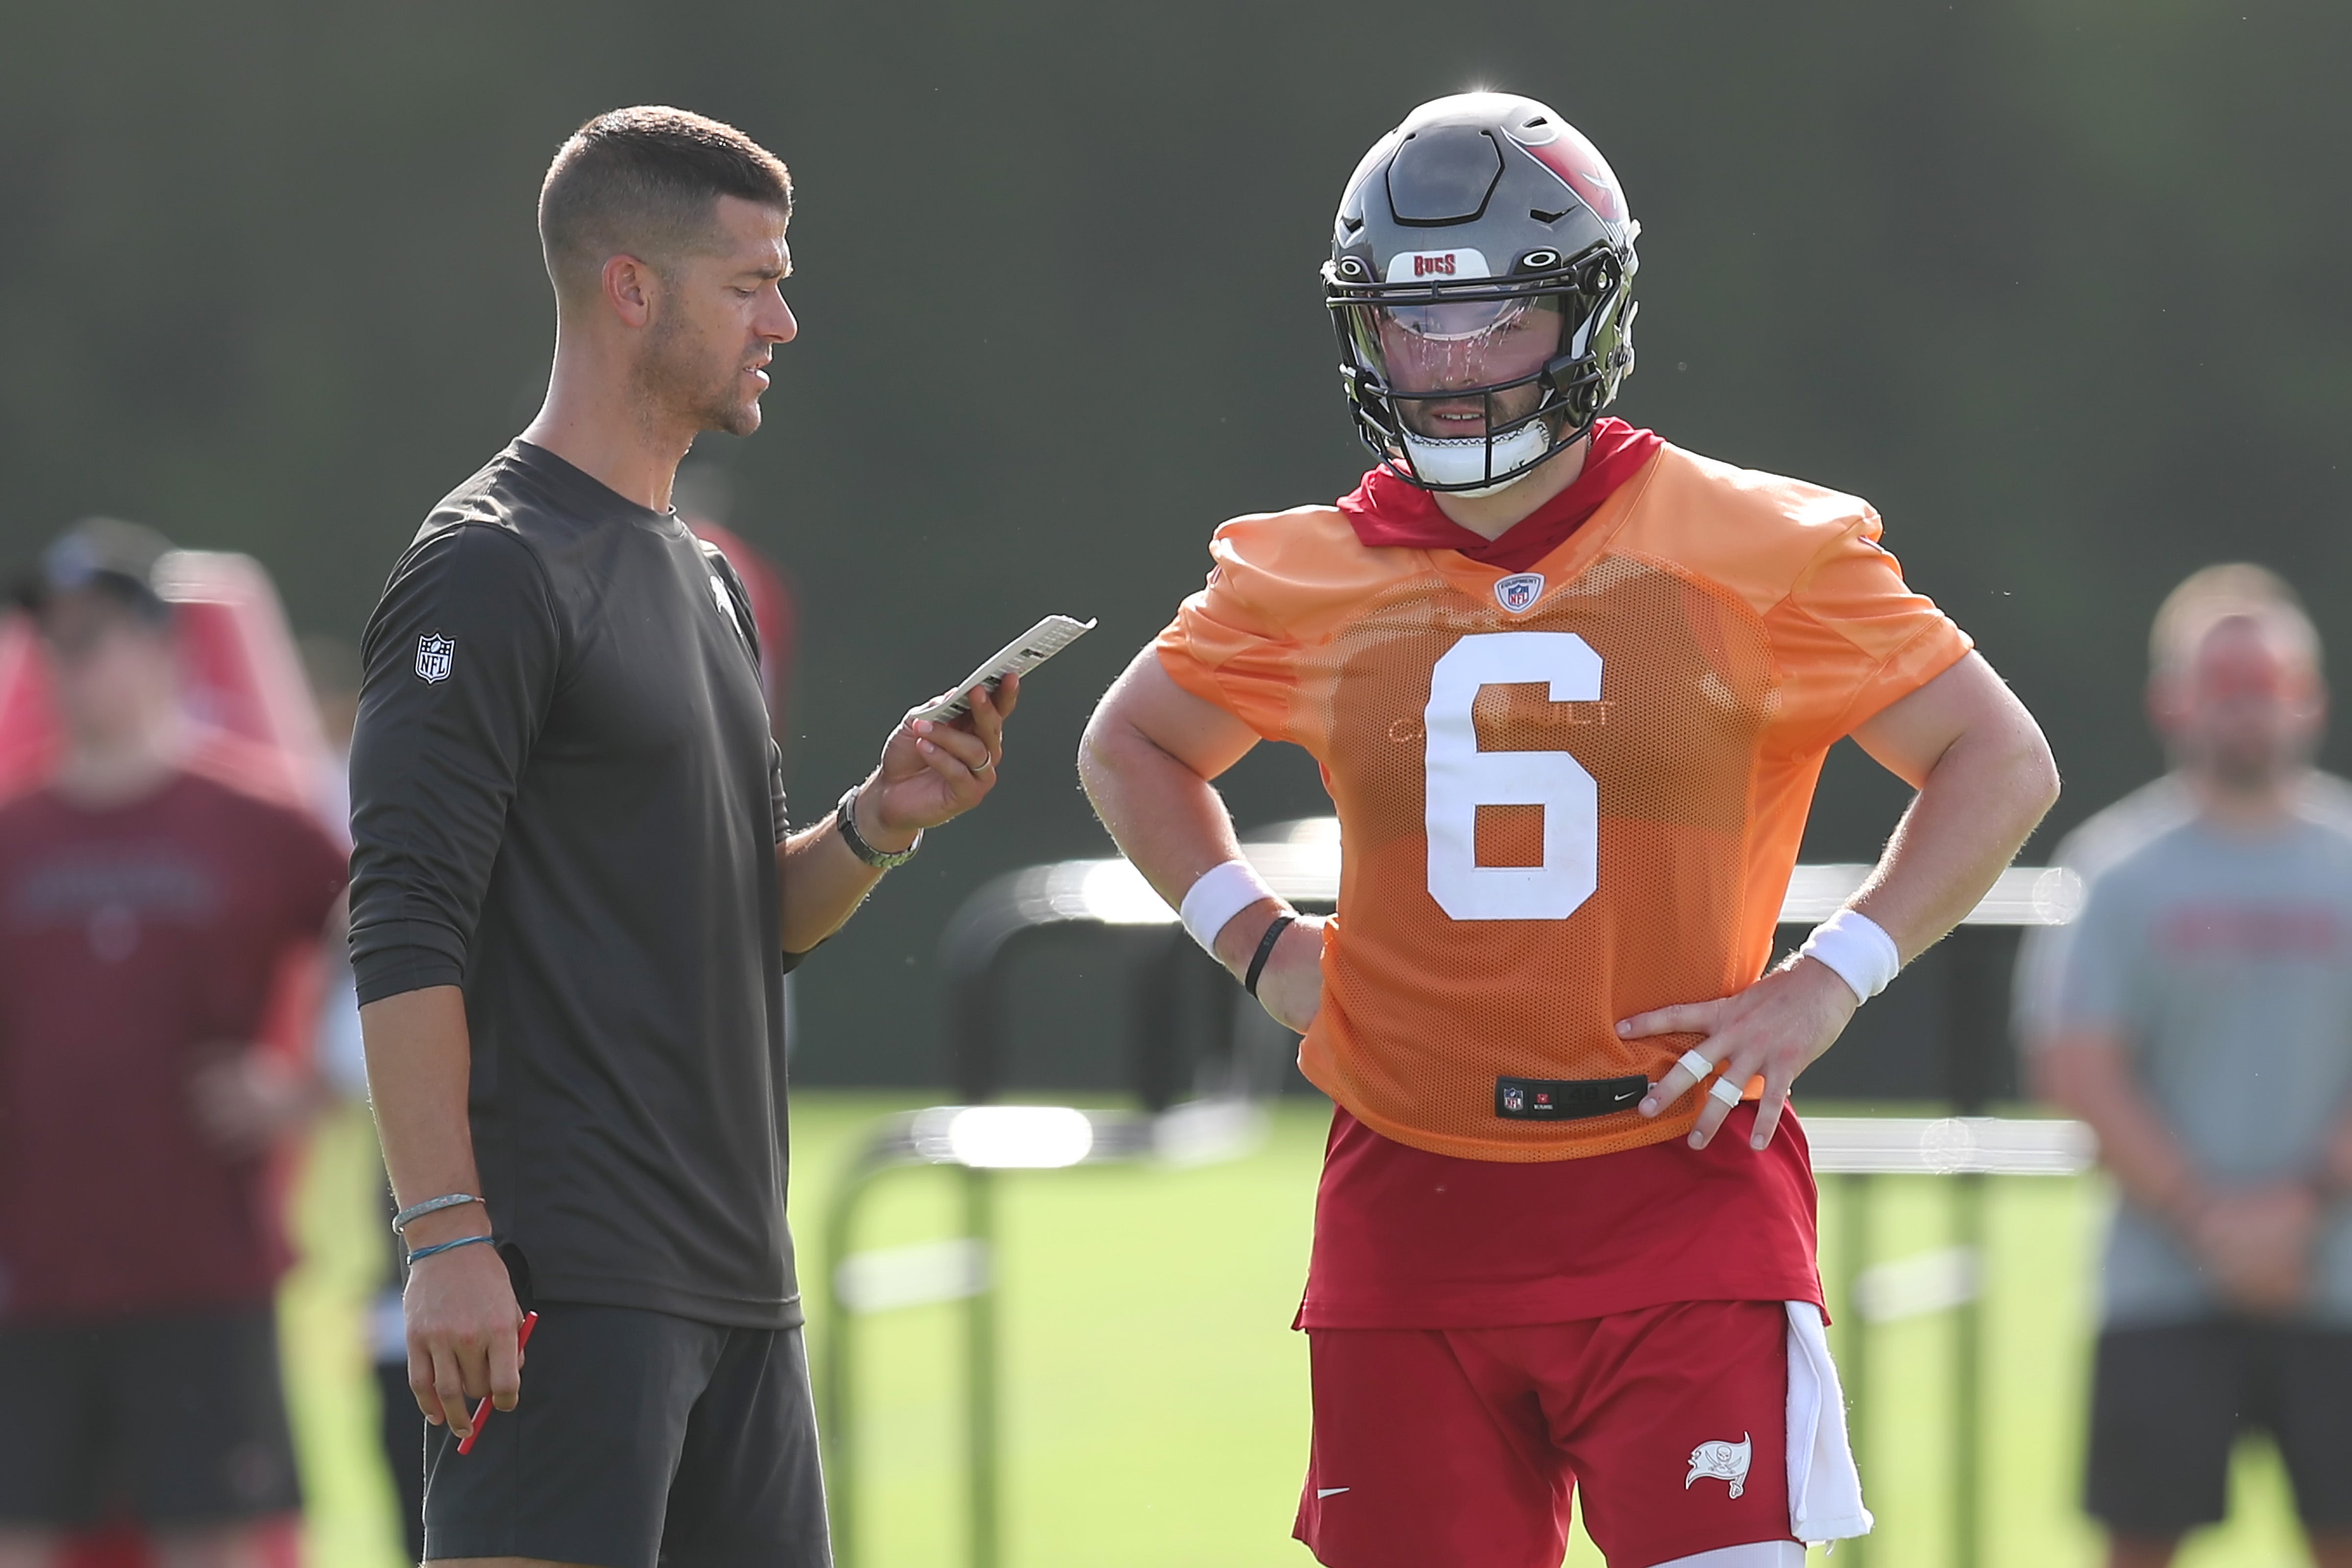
x,y
1265,951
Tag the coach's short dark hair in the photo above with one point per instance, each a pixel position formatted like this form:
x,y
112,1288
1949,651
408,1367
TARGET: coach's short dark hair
x,y
647,181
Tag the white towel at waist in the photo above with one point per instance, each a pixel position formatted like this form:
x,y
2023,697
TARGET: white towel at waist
x,y
1824,1488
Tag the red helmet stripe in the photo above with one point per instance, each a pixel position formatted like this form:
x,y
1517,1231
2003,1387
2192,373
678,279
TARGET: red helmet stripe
x,y
1579,163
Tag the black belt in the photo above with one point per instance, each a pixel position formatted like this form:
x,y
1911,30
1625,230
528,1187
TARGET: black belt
x,y
1567,1099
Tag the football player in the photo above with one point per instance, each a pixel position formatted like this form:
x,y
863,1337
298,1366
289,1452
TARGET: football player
x,y
1570,688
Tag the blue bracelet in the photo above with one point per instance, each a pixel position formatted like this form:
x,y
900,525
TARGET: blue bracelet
x,y
400,1221
424,1252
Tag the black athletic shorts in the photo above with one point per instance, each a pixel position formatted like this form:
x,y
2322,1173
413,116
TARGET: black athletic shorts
x,y
179,1419
2168,1403
642,1440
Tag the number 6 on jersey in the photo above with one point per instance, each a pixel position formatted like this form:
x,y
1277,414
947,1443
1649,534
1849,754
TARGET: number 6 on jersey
x,y
1459,778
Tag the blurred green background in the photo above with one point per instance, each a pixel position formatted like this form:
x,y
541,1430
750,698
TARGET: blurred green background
x,y
2057,284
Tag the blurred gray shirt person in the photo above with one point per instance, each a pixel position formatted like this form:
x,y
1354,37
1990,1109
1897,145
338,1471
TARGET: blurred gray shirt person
x,y
2196,1011
2222,962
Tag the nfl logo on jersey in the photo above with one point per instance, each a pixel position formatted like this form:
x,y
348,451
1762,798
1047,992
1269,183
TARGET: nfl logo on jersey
x,y
433,654
1518,591
1514,1098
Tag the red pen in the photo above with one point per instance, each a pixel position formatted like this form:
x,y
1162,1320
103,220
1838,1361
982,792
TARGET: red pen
x,y
482,1411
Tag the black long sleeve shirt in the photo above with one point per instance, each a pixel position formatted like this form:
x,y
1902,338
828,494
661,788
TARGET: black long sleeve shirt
x,y
565,799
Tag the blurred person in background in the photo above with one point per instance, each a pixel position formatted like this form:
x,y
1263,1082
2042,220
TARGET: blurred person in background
x,y
149,903
2198,1014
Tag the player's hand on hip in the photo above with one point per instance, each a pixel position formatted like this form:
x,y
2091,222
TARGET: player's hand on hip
x,y
932,772
462,1320
1776,1028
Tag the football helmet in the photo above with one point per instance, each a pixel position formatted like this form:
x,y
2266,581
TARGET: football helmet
x,y
1481,284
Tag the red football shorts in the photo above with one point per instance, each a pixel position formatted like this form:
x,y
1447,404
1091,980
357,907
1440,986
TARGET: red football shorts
x,y
1462,1446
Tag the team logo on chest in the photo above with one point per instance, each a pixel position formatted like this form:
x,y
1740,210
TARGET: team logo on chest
x,y
1518,591
726,602
434,653
1722,1462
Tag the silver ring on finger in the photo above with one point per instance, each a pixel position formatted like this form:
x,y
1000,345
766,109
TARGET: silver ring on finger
x,y
985,766
1724,1091
1697,1066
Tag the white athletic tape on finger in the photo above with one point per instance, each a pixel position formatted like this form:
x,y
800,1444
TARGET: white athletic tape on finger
x,y
1723,1090
1857,950
1220,894
1697,1066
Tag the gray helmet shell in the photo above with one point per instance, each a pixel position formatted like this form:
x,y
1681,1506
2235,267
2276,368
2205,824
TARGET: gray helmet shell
x,y
1484,195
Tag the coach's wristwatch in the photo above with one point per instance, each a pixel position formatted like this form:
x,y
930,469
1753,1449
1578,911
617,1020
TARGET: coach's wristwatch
x,y
845,816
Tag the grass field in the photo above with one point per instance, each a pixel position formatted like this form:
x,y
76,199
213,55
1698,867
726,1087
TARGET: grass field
x,y
1155,1399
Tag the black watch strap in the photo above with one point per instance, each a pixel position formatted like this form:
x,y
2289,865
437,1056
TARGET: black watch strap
x,y
845,817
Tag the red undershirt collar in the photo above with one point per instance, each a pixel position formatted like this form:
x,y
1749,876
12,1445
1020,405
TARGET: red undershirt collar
x,y
1386,511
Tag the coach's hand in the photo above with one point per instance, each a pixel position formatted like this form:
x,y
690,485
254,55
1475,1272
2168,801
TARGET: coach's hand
x,y
1777,1028
462,1320
933,773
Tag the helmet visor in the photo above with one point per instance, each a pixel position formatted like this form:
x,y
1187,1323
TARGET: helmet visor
x,y
1460,345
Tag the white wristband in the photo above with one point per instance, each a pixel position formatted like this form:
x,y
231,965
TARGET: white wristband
x,y
1857,949
1222,892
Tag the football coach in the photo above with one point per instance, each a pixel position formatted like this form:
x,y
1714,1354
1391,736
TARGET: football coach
x,y
575,899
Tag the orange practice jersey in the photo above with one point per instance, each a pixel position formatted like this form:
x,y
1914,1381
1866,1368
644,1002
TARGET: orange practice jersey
x,y
1566,796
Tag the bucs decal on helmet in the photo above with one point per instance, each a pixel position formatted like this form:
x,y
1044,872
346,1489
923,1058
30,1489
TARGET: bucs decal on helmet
x,y
1463,261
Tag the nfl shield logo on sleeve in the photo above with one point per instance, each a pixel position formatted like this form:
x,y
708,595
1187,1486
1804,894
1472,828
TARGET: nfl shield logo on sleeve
x,y
433,653
1518,591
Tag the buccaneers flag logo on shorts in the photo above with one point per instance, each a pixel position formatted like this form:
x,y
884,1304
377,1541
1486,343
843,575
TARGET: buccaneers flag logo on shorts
x,y
1722,1462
